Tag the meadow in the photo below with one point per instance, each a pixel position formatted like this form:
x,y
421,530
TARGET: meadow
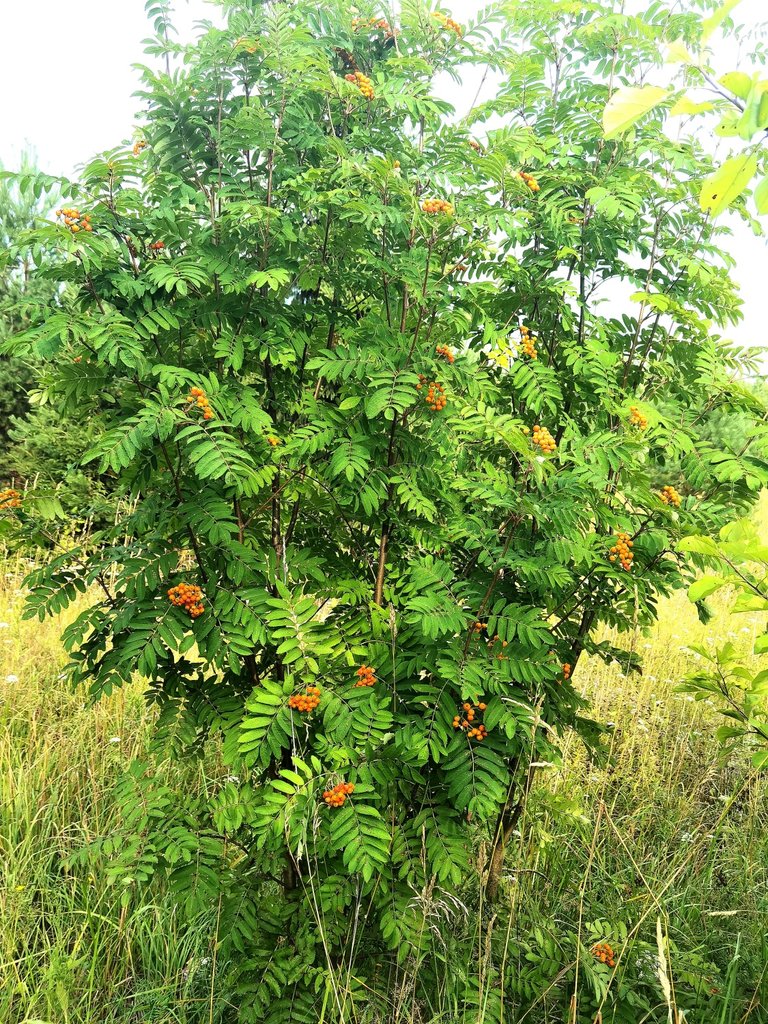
x,y
659,849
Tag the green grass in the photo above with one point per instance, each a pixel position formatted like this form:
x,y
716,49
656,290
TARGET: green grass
x,y
664,837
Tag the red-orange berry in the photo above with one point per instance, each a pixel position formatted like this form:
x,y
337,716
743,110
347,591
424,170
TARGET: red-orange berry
x,y
448,23
72,219
305,702
366,676
622,551
197,397
636,418
669,496
435,396
530,181
604,953
337,795
437,206
543,439
528,343
189,597
9,498
363,83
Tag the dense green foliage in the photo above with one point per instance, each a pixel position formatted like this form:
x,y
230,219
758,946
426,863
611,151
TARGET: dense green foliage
x,y
36,446
259,309
21,296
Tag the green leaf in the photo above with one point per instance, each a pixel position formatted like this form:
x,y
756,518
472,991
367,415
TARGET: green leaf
x,y
727,183
704,587
628,105
699,546
760,759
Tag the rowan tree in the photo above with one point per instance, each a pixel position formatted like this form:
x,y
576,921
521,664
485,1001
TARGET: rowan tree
x,y
392,463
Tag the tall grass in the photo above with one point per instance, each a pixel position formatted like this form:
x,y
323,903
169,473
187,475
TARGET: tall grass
x,y
72,948
661,848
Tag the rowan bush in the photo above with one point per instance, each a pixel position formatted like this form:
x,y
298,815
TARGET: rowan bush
x,y
268,388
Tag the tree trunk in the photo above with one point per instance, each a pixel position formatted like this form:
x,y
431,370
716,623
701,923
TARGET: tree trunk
x,y
505,826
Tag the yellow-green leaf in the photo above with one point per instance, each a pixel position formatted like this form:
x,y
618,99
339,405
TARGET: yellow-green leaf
x,y
727,183
714,21
628,105
678,53
704,587
738,83
687,106
761,196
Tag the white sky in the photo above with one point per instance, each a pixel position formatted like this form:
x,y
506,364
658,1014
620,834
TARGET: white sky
x,y
67,80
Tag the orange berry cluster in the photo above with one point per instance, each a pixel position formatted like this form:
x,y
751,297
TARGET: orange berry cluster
x,y
604,953
530,181
443,350
366,676
497,639
198,397
528,343
156,246
139,146
448,23
567,671
9,498
435,206
274,441
670,496
480,626
186,595
474,732
622,551
74,221
435,396
335,797
475,145
305,702
636,418
378,24
543,438
363,83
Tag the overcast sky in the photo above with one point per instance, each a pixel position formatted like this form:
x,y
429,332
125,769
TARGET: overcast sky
x,y
67,80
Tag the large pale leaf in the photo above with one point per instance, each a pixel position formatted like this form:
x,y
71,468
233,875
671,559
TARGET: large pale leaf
x,y
727,183
627,105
